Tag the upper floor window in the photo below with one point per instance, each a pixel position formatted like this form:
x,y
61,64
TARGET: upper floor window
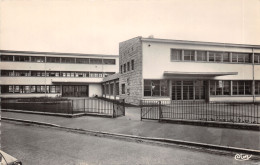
x,y
53,59
82,60
189,55
67,60
109,61
37,59
6,58
257,58
95,61
124,68
7,73
218,57
132,64
201,55
176,54
22,58
240,57
123,89
128,66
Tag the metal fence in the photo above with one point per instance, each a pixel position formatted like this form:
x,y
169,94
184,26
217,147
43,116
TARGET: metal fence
x,y
111,108
200,110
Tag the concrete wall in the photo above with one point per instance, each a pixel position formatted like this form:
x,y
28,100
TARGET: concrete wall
x,y
157,59
131,50
95,89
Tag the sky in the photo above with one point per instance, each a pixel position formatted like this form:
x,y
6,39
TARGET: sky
x,y
97,26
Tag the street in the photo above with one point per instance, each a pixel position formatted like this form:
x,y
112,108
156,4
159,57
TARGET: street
x,y
41,145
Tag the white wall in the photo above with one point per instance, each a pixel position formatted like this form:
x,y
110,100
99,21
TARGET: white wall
x,y
157,59
95,89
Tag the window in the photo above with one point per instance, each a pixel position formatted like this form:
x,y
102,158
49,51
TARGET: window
x,y
16,88
7,73
240,57
111,88
33,89
128,66
242,87
6,58
176,55
38,73
53,74
220,87
201,56
21,73
189,55
218,56
52,89
117,88
37,59
67,60
53,59
124,68
109,61
257,87
95,61
156,88
82,60
257,58
22,58
132,64
6,89
123,89
121,69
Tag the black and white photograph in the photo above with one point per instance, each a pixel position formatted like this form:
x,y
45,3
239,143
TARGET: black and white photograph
x,y
130,82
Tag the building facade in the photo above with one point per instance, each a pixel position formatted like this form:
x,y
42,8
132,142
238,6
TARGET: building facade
x,y
45,74
162,69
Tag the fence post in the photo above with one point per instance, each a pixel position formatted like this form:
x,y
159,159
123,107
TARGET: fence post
x,y
141,105
160,111
84,102
113,112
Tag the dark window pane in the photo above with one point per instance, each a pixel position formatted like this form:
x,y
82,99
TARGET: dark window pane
x,y
6,58
82,60
67,60
95,61
201,56
176,54
37,59
109,61
53,59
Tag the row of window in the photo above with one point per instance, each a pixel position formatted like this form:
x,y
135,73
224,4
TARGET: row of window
x,y
127,66
30,89
22,73
213,56
58,59
238,87
187,89
108,89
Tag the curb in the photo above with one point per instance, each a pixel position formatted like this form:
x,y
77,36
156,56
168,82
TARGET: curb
x,y
151,139
242,126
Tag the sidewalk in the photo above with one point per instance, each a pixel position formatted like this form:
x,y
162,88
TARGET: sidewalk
x,y
131,125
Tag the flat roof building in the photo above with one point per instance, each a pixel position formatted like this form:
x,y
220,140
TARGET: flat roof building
x,y
163,69
48,74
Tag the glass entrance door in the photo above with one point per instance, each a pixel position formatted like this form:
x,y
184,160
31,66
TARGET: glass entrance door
x,y
188,90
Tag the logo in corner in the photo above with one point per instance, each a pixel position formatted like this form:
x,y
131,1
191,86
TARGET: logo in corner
x,y
242,157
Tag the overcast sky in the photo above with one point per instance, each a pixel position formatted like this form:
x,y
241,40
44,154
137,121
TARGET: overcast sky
x,y
97,26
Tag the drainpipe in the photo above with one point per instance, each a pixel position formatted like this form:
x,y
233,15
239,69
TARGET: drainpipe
x,y
253,62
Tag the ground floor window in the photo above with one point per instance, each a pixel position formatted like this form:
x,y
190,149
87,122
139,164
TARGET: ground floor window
x,y
188,90
156,88
257,87
220,87
123,89
242,87
75,91
30,89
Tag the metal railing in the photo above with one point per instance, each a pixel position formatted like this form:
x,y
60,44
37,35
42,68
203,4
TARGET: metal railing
x,y
113,108
199,110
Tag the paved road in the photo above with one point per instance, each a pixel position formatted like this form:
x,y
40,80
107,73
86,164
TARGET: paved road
x,y
40,145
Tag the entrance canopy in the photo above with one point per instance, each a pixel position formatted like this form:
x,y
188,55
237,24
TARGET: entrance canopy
x,y
197,74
